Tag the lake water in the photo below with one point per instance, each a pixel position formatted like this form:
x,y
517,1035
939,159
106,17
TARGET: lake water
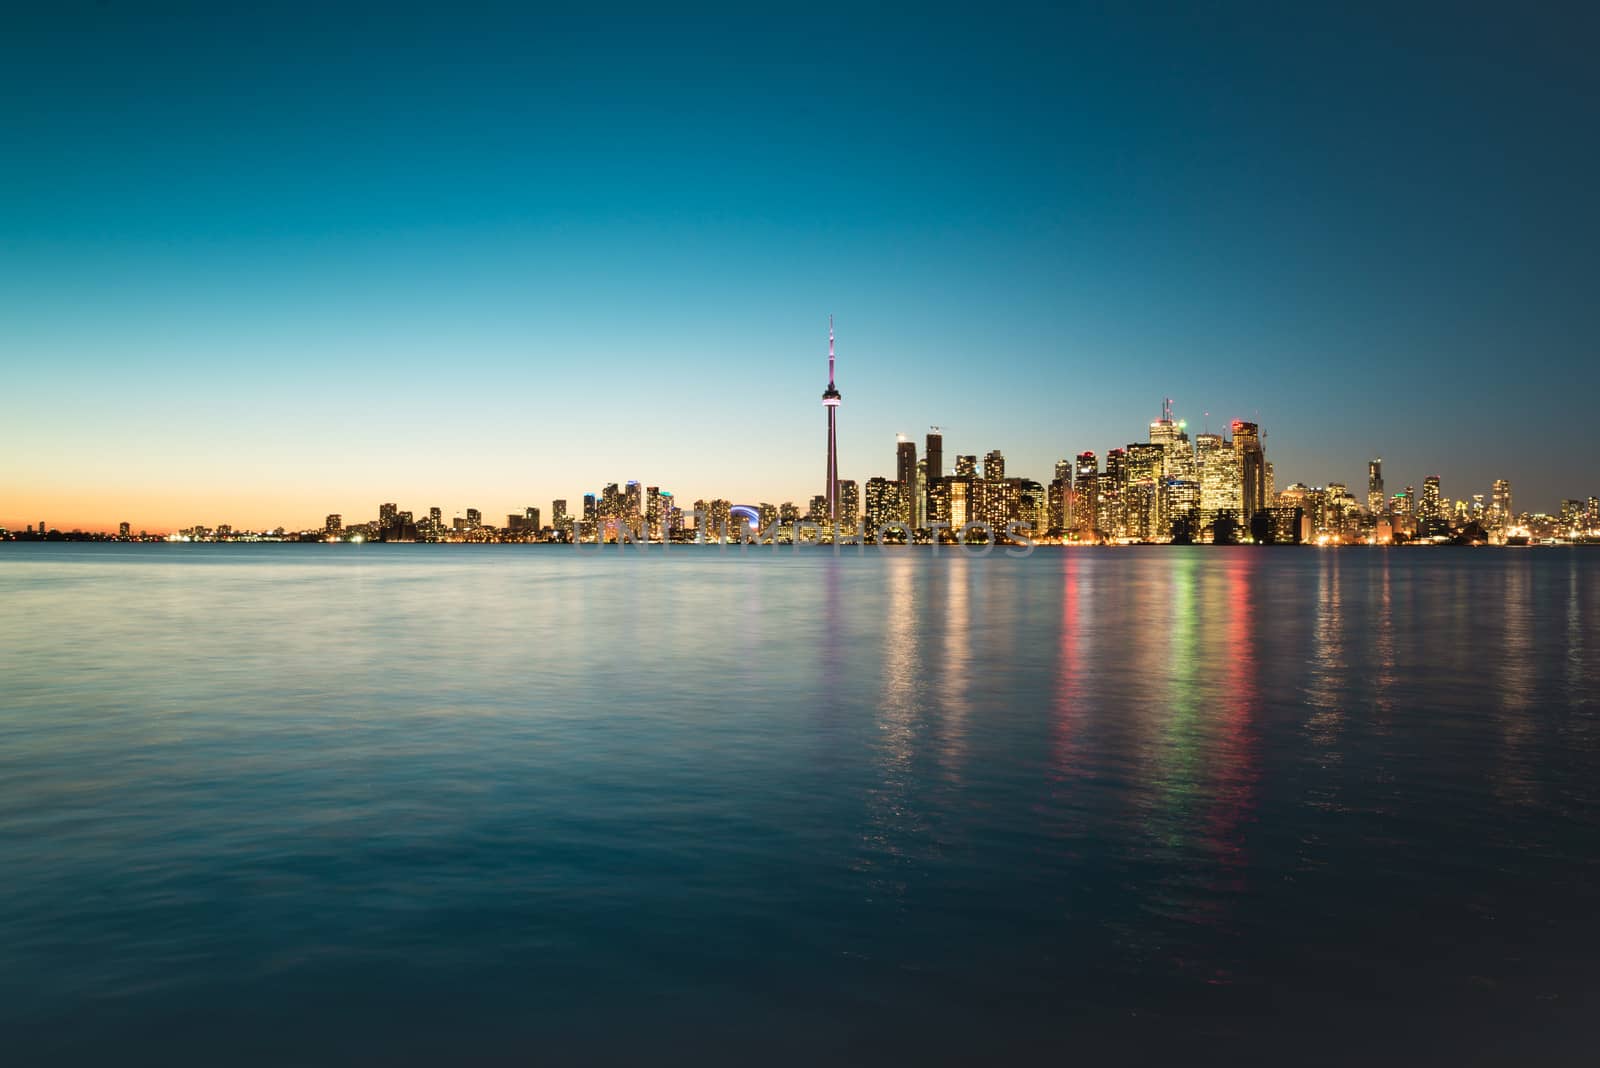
x,y
538,805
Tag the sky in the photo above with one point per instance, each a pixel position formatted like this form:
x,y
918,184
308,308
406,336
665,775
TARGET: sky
x,y
256,267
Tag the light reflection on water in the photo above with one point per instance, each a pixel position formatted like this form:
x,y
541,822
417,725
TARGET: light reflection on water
x,y
512,805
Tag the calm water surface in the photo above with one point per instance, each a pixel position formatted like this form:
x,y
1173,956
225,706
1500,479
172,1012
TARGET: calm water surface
x,y
518,805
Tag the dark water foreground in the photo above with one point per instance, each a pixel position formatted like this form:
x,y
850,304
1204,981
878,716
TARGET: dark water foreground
x,y
414,805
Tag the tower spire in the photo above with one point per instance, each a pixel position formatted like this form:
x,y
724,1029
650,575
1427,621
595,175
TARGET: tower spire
x,y
830,350
830,400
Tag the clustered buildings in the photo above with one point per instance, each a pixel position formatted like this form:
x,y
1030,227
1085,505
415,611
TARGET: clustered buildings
x,y
1213,489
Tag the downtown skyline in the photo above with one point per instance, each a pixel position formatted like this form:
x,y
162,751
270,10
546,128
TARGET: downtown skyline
x,y
262,267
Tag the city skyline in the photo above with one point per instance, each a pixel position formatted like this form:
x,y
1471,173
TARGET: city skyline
x,y
1182,482
442,258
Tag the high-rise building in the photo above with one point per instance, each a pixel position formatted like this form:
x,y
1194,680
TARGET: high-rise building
x,y
1086,494
966,467
1058,498
831,400
386,514
334,524
905,469
1220,489
932,475
1171,435
884,505
1252,468
847,503
1432,504
1146,465
1377,502
123,529
994,466
1500,513
474,518
1112,482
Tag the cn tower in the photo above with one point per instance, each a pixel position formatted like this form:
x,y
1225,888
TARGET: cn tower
x,y
830,401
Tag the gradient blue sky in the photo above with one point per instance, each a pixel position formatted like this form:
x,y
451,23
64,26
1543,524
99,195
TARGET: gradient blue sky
x,y
255,268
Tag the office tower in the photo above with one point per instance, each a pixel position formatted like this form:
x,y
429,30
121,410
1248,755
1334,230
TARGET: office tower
x,y
1271,496
788,513
1058,498
436,516
1217,468
386,514
653,526
1111,485
1591,514
1143,474
1376,501
41,527
847,503
905,467
474,518
1431,506
530,517
1252,469
558,514
884,504
334,524
123,529
1086,493
905,460
994,466
1500,512
1178,460
938,502
818,512
919,496
1000,502
958,492
1182,505
830,401
966,467
1032,508
932,473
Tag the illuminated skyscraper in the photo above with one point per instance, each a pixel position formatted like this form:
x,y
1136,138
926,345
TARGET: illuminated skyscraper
x,y
1172,436
1377,502
884,504
933,472
831,400
847,503
474,518
994,466
1432,505
386,514
123,528
905,468
1142,502
1086,494
1252,469
1218,470
334,524
1112,481
1058,505
1500,513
